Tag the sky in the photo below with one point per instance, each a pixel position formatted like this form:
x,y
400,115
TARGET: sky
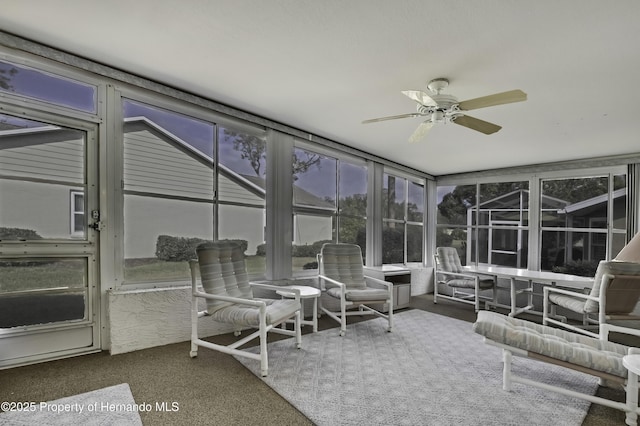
x,y
50,88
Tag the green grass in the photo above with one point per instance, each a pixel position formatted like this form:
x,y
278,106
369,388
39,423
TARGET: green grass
x,y
33,275
72,273
150,270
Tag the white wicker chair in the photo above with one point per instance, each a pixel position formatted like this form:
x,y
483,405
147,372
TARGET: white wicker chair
x,y
342,278
230,300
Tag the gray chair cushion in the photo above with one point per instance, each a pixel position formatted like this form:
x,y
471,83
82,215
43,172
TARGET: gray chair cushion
x,y
448,259
627,298
555,343
573,303
360,295
248,316
343,262
470,283
223,272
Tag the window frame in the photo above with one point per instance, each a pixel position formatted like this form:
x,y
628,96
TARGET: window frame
x,y
405,222
534,177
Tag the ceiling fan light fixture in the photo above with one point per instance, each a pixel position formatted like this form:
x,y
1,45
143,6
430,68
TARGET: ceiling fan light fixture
x,y
437,117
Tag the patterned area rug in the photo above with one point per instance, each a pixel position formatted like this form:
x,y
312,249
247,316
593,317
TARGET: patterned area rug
x,y
113,405
432,370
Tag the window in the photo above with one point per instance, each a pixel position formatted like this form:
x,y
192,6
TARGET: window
x,y
168,191
403,217
453,221
40,164
241,192
487,223
315,181
77,214
502,219
329,204
575,232
352,204
47,87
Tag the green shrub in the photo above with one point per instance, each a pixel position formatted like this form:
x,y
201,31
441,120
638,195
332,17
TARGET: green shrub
x,y
310,265
12,234
308,250
181,249
581,268
244,244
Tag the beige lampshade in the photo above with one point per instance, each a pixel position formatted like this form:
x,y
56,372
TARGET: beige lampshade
x,y
630,252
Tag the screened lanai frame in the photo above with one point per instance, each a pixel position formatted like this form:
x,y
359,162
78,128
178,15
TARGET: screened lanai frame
x,y
107,78
113,85
616,232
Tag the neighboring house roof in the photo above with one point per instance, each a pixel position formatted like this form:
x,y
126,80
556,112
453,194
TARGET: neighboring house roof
x,y
301,196
593,203
255,184
132,123
511,200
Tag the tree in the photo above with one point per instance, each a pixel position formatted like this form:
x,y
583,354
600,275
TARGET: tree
x,y
301,165
251,148
5,78
254,149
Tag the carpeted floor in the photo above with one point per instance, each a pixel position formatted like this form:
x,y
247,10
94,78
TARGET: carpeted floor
x,y
212,389
432,370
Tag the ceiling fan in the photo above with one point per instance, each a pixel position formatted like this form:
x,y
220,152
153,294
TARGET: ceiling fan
x,y
442,108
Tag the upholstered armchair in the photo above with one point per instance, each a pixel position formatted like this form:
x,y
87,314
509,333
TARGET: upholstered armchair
x,y
465,286
613,297
342,278
229,299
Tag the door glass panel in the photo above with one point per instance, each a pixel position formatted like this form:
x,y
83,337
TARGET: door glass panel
x,y
41,291
42,180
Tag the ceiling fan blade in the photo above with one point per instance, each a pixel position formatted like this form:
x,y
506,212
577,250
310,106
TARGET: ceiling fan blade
x,y
392,117
421,131
493,100
477,124
420,97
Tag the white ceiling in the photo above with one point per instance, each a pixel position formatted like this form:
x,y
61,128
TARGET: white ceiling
x,y
324,66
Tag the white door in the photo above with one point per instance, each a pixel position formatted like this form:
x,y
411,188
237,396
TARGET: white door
x,y
49,292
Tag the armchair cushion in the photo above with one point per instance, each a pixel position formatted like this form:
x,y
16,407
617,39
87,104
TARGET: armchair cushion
x,y
575,304
448,259
357,295
223,272
559,344
470,283
343,262
249,316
